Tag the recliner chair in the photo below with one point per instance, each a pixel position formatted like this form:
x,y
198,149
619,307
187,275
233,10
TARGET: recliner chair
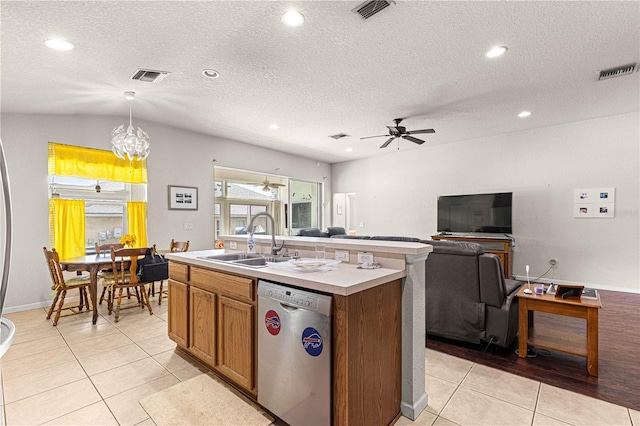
x,y
467,295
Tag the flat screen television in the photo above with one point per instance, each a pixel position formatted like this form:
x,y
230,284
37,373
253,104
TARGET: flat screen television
x,y
485,213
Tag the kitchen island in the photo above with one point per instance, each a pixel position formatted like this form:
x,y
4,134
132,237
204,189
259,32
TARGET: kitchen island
x,y
378,343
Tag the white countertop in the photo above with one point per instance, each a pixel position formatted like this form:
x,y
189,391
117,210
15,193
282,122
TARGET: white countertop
x,y
342,279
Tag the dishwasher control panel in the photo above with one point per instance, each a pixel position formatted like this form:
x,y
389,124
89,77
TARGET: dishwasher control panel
x,y
292,297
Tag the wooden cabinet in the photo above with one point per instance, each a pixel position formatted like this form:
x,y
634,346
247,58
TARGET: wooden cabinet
x,y
236,336
179,313
500,246
202,319
367,356
213,317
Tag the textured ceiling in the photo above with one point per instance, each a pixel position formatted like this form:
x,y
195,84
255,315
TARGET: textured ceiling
x,y
421,60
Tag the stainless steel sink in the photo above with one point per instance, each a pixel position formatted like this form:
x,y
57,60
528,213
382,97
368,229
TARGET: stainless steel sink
x,y
259,261
245,259
228,257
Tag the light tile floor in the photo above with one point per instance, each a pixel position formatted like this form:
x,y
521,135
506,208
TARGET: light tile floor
x,y
79,374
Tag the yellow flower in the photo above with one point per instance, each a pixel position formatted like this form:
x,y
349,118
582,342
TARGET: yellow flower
x,y
128,240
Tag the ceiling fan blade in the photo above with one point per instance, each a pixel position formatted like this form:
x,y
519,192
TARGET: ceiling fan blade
x,y
369,137
384,145
413,132
414,140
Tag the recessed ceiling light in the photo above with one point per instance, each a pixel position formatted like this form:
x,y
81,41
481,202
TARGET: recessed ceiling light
x,y
274,126
59,44
523,114
349,149
293,18
494,52
210,73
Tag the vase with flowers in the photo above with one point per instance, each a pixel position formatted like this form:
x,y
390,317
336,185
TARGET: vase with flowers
x,y
128,240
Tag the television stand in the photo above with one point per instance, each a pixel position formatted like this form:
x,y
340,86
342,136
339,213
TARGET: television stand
x,y
498,245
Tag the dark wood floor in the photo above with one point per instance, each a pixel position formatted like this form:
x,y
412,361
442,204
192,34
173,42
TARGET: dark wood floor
x,y
618,378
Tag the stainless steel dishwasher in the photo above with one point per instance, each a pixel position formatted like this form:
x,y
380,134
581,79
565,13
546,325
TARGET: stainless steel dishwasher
x,y
294,354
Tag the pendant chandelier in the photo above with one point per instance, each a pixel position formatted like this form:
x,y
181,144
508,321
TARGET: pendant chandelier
x,y
131,144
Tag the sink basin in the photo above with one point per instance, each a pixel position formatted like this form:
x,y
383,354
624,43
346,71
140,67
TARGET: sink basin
x,y
260,261
229,257
257,261
245,259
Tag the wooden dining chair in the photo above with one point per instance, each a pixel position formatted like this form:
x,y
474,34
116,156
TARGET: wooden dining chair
x,y
174,247
178,246
105,250
61,286
124,263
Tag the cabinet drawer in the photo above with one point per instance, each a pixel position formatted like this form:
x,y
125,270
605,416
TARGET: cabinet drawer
x,y
179,272
221,283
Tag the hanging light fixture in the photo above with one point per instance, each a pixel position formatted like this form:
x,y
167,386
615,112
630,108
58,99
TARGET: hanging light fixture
x,y
132,144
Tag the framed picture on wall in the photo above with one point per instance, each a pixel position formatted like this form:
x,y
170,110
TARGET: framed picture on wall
x,y
183,198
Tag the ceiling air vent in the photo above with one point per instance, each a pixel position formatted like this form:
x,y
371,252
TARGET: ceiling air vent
x,y
367,9
617,71
340,136
150,76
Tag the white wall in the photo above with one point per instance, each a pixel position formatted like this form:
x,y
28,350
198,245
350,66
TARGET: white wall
x,y
541,167
178,157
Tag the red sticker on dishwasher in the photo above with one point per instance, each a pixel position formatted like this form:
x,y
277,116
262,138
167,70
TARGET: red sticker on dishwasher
x,y
312,341
272,321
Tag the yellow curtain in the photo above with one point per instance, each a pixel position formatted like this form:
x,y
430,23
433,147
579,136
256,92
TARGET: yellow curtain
x,y
68,224
89,163
137,220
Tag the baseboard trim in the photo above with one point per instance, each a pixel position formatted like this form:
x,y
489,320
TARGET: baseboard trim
x,y
45,304
413,411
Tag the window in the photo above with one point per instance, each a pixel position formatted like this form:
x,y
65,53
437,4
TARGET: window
x,y
95,197
306,206
105,211
239,195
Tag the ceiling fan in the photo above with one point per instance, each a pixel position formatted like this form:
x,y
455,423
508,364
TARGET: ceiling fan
x,y
266,185
399,131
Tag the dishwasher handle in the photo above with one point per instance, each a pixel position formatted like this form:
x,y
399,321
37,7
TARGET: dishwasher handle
x,y
288,307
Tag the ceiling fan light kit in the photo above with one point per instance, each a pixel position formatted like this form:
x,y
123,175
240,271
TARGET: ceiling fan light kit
x,y
399,131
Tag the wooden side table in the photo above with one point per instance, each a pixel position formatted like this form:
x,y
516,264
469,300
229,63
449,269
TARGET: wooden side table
x,y
557,339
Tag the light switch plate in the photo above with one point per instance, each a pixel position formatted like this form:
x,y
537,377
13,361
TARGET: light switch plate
x,y
364,256
233,245
188,226
342,255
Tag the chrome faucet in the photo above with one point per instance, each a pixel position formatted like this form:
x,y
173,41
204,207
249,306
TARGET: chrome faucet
x,y
274,248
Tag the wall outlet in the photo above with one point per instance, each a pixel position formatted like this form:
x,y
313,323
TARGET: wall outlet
x,y
233,245
553,263
364,256
188,226
342,255
361,224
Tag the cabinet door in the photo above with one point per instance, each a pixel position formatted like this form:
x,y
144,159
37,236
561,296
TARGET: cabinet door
x,y
203,325
236,341
179,313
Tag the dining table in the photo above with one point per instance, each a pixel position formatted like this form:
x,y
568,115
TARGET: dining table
x,y
93,264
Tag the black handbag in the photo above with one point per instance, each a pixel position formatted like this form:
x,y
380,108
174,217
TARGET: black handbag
x,y
152,267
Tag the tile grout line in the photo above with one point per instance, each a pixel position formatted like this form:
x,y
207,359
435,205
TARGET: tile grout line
x,y
102,398
88,378
458,385
535,407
